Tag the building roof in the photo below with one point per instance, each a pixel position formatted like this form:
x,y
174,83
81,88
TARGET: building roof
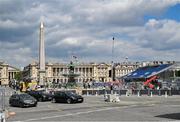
x,y
12,68
148,71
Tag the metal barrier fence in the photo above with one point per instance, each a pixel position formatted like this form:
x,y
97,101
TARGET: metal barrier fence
x,y
133,92
2,99
2,104
5,93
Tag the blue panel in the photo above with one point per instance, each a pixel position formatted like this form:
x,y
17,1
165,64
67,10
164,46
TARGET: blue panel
x,y
148,71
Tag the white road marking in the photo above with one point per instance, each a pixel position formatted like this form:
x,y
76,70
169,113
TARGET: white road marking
x,y
72,114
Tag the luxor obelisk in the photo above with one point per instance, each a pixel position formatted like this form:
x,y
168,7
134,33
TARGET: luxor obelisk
x,y
42,71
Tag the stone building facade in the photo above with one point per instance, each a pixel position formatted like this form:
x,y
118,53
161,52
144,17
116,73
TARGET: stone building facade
x,y
124,68
7,73
151,63
86,71
4,73
12,71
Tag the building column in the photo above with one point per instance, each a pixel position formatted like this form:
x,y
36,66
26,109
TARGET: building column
x,y
85,73
78,69
81,72
88,72
174,73
56,72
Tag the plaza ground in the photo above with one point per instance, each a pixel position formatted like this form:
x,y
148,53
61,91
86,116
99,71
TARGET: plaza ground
x,y
132,108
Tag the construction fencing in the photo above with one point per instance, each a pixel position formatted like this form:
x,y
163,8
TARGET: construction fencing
x,y
132,92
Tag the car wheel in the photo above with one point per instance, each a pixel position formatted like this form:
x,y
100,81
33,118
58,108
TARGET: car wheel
x,y
10,104
69,101
22,105
53,100
35,105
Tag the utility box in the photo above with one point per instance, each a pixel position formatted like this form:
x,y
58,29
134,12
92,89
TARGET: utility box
x,y
112,98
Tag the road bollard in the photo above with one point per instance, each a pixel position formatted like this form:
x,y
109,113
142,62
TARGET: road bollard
x,y
138,94
115,93
119,92
105,95
165,94
159,92
105,92
111,91
87,94
151,94
126,93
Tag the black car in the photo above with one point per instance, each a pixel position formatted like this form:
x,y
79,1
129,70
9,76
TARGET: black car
x,y
41,95
22,100
67,97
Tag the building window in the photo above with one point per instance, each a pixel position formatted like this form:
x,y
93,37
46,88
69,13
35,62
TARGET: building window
x,y
53,70
57,80
54,80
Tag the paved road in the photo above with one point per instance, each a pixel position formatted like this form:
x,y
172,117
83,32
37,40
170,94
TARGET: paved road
x,y
95,109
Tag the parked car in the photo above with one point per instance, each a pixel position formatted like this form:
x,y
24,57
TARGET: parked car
x,y
41,95
67,97
22,100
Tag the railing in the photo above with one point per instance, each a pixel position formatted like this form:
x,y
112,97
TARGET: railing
x,y
133,92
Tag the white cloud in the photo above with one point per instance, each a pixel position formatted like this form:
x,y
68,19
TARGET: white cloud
x,y
68,41
86,29
8,24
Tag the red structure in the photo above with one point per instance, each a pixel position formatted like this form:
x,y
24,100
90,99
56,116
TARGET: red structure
x,y
149,80
150,73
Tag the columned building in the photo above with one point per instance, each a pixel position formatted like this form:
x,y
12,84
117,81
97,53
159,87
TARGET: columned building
x,y
12,71
124,68
151,63
86,71
101,72
4,73
7,73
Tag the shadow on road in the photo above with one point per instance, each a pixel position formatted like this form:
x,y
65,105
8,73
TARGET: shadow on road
x,y
170,116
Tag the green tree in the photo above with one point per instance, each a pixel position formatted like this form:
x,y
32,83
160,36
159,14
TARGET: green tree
x,y
18,76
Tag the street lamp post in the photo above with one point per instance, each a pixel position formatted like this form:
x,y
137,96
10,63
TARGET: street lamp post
x,y
112,63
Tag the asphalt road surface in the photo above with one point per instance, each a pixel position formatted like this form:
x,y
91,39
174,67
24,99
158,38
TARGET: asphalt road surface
x,y
132,108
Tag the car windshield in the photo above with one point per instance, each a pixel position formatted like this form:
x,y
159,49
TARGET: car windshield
x,y
71,93
25,96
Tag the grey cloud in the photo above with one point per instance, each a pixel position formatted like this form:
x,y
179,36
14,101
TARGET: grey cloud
x,y
159,37
9,7
90,25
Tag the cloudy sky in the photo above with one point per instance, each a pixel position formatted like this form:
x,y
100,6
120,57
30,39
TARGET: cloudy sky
x,y
143,30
